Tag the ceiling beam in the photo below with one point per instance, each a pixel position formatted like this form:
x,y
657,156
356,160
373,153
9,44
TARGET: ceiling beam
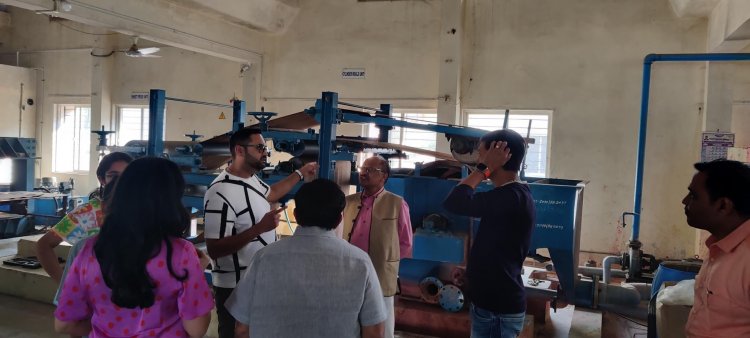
x,y
164,22
693,8
273,16
729,26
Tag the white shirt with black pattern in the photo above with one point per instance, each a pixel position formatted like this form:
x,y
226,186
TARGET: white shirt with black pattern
x,y
233,205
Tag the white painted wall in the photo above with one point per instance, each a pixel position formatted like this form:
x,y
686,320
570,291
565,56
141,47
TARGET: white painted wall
x,y
63,69
394,41
64,78
182,74
741,124
582,59
19,118
62,58
741,102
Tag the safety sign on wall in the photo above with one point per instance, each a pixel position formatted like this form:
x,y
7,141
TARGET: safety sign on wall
x,y
715,145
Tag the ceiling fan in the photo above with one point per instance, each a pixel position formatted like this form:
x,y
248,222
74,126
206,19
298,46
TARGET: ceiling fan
x,y
136,52
133,51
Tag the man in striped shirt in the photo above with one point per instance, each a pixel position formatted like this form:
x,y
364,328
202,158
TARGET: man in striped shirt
x,y
238,216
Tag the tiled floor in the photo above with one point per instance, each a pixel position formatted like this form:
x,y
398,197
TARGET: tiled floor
x,y
29,319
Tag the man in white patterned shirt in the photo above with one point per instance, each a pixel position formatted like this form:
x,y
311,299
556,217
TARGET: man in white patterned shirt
x,y
238,216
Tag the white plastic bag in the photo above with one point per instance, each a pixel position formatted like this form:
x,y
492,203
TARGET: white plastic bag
x,y
679,294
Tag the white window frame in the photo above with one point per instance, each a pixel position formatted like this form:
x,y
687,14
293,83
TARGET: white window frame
x,y
6,171
118,123
373,131
81,140
523,131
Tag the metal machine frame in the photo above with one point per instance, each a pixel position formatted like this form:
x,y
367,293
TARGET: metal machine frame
x,y
559,202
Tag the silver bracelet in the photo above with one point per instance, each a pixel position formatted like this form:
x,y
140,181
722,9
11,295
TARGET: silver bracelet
x,y
301,177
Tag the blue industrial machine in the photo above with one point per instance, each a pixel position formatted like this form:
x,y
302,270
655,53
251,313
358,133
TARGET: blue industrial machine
x,y
558,202
22,205
22,153
436,273
441,251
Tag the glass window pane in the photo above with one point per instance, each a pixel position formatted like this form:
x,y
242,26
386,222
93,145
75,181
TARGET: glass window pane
x,y
410,137
133,125
85,139
534,124
64,147
72,138
6,165
415,138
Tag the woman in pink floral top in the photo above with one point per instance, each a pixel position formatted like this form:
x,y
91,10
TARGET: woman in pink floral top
x,y
138,278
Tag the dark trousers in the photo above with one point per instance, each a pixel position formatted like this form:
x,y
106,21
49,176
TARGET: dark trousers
x,y
226,321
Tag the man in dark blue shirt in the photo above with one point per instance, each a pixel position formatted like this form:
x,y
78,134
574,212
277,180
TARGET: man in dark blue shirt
x,y
495,288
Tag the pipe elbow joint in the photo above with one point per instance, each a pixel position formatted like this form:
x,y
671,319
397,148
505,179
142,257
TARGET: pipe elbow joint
x,y
650,58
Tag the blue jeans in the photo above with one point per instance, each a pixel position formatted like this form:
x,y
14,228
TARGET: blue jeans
x,y
487,324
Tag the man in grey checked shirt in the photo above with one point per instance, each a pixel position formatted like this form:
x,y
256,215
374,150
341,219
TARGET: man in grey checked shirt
x,y
313,284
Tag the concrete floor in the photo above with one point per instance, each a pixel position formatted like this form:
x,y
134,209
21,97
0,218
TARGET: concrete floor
x,y
30,319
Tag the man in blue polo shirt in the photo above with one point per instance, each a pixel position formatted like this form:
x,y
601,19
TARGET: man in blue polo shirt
x,y
495,287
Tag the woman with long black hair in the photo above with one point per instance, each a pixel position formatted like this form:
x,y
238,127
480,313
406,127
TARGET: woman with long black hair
x,y
138,277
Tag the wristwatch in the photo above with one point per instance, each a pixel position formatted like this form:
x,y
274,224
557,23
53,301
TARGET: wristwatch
x,y
301,177
483,169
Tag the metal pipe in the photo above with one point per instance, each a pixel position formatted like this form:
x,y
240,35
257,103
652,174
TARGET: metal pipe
x,y
328,103
647,62
641,152
61,50
616,295
697,57
607,266
359,106
199,102
591,271
20,111
40,118
156,106
300,98
599,252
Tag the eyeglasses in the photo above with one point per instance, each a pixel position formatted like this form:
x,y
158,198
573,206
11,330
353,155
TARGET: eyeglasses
x,y
260,147
111,176
369,170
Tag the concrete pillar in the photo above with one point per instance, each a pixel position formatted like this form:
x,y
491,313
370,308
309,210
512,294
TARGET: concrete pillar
x,y
251,88
717,115
449,86
102,69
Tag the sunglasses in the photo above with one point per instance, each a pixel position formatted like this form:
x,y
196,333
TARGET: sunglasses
x,y
260,147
